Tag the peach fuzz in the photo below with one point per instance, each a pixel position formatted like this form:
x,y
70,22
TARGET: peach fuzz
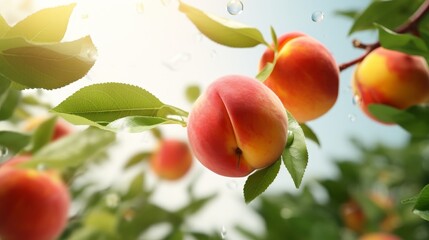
x,y
391,78
33,205
236,126
305,76
172,160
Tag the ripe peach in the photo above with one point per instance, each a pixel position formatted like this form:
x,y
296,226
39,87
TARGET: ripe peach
x,y
305,76
353,216
236,126
15,161
391,78
33,205
61,128
172,160
355,219
379,236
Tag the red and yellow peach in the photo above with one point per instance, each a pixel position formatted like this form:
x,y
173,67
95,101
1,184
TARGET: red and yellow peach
x,y
236,126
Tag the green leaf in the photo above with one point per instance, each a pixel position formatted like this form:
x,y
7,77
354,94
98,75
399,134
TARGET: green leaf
x,y
14,141
45,65
137,158
421,208
9,103
221,30
101,220
275,40
192,92
4,26
259,181
4,87
413,119
41,26
136,187
265,72
352,14
43,134
73,150
195,205
391,14
295,157
309,133
406,43
101,105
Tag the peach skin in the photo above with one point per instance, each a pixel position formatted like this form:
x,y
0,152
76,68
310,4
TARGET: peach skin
x,y
305,76
391,78
33,205
61,128
172,160
236,126
379,236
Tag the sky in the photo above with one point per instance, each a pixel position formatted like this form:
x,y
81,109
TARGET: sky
x,y
151,44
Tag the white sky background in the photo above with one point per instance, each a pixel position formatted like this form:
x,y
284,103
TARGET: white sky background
x,y
136,38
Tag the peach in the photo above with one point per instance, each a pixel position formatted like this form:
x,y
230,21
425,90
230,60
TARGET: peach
x,y
305,76
379,236
236,126
391,78
61,128
33,205
172,160
355,219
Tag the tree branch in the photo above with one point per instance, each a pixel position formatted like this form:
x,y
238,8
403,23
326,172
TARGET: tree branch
x,y
410,26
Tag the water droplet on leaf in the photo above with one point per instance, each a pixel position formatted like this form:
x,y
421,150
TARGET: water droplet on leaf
x,y
41,167
317,16
234,7
92,54
3,153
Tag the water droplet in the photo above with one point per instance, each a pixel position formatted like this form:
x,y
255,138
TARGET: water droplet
x,y
112,200
317,16
41,167
140,7
213,53
234,7
174,62
351,117
356,100
232,185
92,53
286,213
223,233
3,153
290,138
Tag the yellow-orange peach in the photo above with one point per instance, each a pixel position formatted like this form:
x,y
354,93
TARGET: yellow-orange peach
x,y
172,160
305,76
379,236
61,128
33,205
236,126
391,78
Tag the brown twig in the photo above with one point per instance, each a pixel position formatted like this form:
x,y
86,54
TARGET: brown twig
x,y
409,26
